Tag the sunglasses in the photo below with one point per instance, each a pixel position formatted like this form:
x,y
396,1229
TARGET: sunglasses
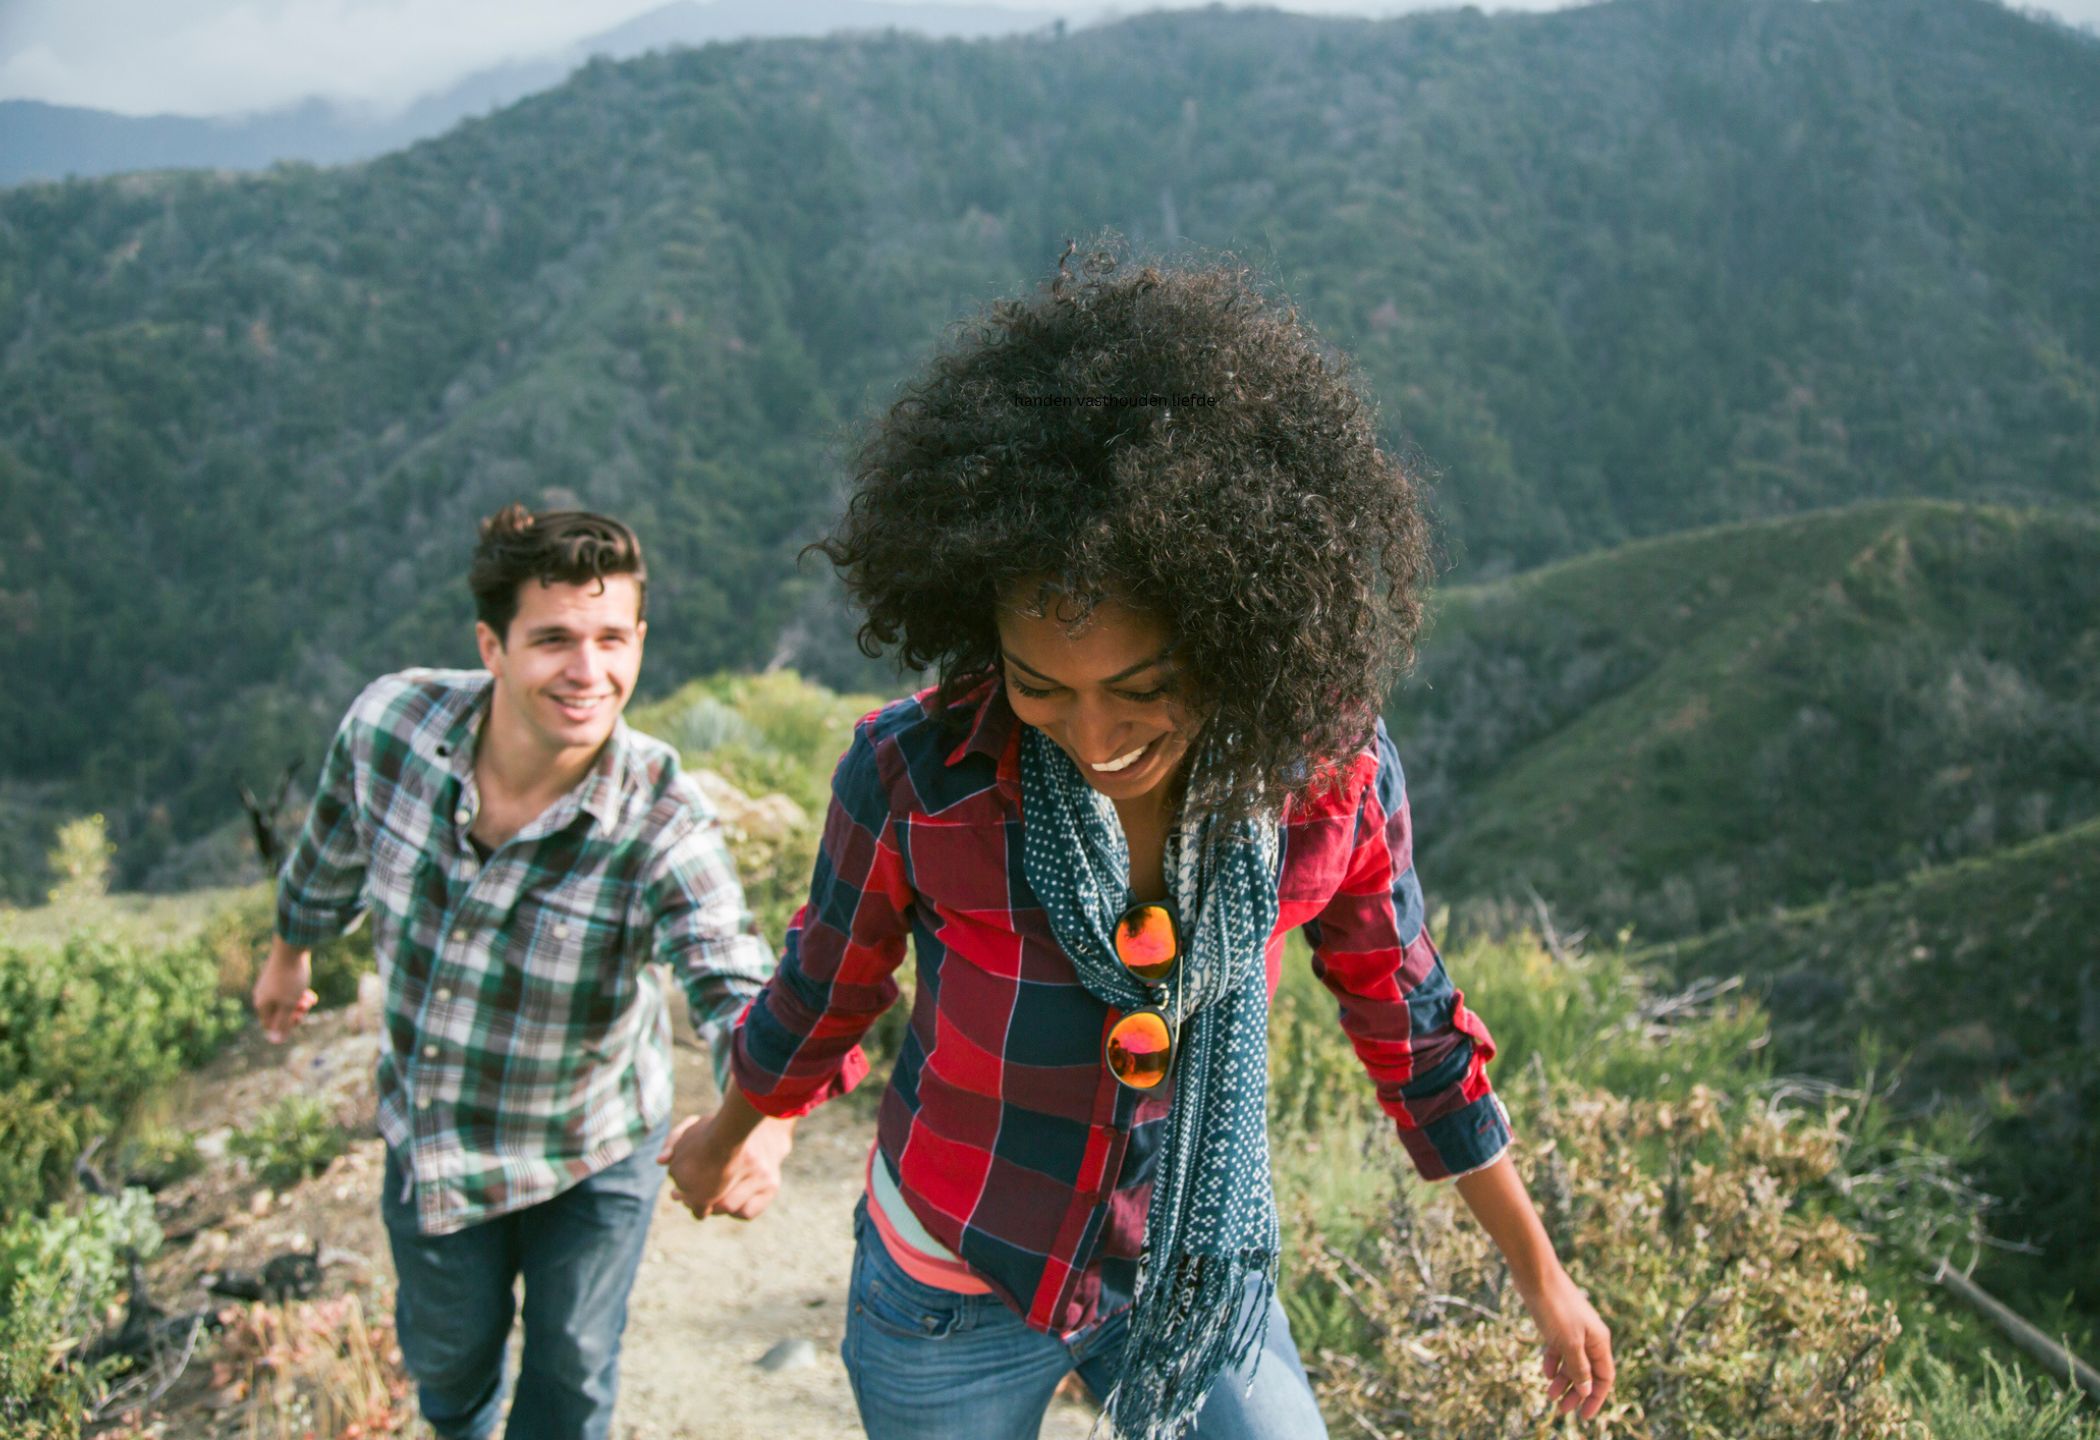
x,y
1140,1044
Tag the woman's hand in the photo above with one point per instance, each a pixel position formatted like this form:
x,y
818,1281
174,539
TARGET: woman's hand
x,y
1577,1345
728,1164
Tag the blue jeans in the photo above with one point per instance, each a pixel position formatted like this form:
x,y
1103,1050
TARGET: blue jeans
x,y
928,1364
453,1307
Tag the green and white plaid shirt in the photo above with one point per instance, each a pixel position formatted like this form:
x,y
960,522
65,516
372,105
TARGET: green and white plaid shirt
x,y
527,1039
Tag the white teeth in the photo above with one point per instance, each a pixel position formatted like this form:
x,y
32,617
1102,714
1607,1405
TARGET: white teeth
x,y
1124,762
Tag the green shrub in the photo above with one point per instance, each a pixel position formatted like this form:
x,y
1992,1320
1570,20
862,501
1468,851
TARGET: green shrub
x,y
157,1157
291,1140
86,1032
40,1398
39,1136
771,734
1735,1299
81,860
2003,1407
1749,1239
59,1271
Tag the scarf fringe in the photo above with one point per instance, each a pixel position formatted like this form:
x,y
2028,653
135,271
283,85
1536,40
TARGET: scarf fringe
x,y
1183,1336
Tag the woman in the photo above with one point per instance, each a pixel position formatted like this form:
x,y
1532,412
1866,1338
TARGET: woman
x,y
1145,535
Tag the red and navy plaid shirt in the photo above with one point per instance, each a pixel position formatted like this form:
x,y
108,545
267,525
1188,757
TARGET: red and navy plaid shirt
x,y
1007,1136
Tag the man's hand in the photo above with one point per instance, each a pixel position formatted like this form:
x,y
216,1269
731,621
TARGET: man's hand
x,y
281,994
728,1164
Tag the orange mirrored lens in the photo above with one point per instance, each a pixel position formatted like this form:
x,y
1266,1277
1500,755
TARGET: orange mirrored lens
x,y
1145,942
1139,1046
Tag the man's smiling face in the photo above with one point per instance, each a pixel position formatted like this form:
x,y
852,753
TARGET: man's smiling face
x,y
568,665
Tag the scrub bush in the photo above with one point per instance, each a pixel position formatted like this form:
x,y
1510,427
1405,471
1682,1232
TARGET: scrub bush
x,y
1745,1237
59,1271
87,1031
291,1140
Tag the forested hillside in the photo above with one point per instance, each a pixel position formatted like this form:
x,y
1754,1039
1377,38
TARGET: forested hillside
x,y
1681,732
1616,271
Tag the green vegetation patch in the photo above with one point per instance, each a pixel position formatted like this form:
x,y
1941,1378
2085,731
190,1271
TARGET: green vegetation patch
x,y
87,1031
1750,1238
295,1138
60,1270
1981,983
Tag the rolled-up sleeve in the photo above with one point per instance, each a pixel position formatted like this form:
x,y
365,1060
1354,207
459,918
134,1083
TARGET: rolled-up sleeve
x,y
320,889
1425,1051
701,927
798,1045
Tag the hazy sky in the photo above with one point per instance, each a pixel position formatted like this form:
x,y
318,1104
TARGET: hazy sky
x,y
204,57
199,57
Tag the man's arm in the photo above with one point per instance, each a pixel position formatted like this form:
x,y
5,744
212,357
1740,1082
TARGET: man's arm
x,y
796,1045
702,930
320,892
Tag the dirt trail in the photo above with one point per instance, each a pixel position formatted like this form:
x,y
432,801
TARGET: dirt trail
x,y
711,1299
715,1295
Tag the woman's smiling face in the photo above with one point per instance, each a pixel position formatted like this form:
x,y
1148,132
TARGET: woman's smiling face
x,y
1108,694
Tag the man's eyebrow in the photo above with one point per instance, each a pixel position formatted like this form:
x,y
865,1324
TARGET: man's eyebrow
x,y
543,632
1119,675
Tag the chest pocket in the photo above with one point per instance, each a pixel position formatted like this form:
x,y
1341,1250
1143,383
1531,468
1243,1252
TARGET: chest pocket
x,y
971,868
567,952
402,878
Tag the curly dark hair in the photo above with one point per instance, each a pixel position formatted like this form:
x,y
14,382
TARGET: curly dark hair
x,y
569,547
1166,436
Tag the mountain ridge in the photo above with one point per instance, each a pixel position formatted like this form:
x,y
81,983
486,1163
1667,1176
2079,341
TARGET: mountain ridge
x,y
1614,272
48,141
1689,729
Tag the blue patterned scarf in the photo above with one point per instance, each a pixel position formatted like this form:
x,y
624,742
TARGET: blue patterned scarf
x,y
1211,1226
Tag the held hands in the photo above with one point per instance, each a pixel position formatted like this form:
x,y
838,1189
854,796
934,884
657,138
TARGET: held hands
x,y
728,1164
281,995
1577,1345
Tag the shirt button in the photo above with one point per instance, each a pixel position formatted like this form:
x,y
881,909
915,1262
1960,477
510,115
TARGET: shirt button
x,y
444,994
463,815
561,932
422,1102
430,1052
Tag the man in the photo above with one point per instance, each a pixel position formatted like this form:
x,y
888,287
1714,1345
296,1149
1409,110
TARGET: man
x,y
524,856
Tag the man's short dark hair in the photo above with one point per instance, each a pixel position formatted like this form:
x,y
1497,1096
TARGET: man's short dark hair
x,y
555,547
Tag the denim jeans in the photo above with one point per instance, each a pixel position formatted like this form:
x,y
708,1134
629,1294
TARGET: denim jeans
x,y
929,1364
577,1254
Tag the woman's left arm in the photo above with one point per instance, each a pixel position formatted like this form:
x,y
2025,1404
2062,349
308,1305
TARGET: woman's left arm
x,y
1427,1054
1577,1343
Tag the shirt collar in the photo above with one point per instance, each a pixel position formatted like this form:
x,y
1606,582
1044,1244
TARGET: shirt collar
x,y
601,791
468,713
995,731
